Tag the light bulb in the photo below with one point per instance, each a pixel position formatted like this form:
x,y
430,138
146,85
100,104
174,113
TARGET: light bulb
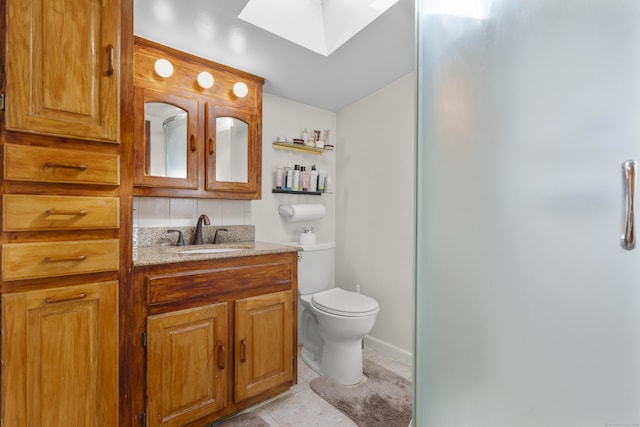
x,y
205,79
163,67
240,90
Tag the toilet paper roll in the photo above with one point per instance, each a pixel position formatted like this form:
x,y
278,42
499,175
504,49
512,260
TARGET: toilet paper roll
x,y
295,213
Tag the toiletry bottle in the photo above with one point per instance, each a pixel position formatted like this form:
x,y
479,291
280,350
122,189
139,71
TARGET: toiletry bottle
x,y
296,178
288,177
279,177
305,136
322,176
328,184
304,177
313,179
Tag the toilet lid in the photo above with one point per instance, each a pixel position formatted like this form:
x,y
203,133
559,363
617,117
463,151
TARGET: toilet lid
x,y
344,303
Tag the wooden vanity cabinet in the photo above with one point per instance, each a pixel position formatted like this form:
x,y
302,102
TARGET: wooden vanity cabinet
x,y
220,336
63,69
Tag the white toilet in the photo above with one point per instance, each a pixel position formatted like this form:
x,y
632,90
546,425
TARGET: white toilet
x,y
332,321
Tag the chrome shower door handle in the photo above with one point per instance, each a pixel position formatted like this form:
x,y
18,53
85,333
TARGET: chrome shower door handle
x,y
628,239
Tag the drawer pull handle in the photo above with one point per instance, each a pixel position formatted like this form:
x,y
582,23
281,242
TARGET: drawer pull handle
x,y
65,258
52,300
211,146
80,166
78,212
110,60
192,143
243,350
221,354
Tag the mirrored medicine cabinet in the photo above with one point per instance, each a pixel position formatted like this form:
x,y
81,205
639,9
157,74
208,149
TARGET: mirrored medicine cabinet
x,y
190,140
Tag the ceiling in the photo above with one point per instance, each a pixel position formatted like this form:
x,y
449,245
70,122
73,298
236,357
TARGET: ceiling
x,y
377,55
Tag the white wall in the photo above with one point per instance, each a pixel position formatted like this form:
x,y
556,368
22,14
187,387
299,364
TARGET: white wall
x,y
375,228
281,116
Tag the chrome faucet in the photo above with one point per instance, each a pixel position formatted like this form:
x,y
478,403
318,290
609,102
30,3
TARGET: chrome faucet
x,y
197,238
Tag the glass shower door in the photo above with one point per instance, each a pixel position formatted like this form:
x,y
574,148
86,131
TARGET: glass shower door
x,y
527,305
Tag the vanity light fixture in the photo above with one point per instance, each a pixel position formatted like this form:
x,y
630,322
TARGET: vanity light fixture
x,y
240,89
163,68
205,79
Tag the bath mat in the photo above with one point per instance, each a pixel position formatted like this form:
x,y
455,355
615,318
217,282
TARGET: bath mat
x,y
244,420
383,399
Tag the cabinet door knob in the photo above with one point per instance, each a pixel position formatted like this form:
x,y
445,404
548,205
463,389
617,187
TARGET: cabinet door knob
x,y
211,142
222,354
193,145
243,350
110,60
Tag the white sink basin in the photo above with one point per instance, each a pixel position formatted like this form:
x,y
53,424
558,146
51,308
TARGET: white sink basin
x,y
207,251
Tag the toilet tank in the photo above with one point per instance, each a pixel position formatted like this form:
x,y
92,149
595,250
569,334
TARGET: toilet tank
x,y
315,267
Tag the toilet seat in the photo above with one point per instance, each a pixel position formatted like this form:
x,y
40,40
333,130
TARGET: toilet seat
x,y
344,303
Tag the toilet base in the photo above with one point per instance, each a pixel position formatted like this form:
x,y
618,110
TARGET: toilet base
x,y
341,363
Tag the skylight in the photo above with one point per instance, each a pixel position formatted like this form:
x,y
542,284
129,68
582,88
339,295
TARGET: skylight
x,y
318,25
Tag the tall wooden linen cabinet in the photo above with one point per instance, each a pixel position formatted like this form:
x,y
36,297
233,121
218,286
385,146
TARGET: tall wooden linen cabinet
x,y
65,139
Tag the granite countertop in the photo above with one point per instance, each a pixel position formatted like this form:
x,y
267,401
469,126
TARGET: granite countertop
x,y
153,255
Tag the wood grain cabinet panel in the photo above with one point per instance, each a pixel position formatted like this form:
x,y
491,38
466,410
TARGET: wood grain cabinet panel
x,y
29,212
186,364
165,288
62,76
60,356
53,259
263,346
43,164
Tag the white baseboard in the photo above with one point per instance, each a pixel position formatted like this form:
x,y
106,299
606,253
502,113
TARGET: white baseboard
x,y
388,350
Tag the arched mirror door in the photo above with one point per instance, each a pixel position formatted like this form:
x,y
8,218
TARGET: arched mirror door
x,y
165,136
233,150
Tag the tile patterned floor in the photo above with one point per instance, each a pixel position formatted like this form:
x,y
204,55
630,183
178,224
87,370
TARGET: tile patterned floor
x,y
301,407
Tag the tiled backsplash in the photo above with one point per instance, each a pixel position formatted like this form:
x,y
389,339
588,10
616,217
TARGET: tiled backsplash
x,y
175,212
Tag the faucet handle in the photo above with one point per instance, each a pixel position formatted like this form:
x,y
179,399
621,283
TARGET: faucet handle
x,y
180,241
216,237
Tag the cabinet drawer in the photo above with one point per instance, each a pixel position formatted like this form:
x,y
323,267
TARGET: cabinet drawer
x,y
51,259
43,164
27,212
184,286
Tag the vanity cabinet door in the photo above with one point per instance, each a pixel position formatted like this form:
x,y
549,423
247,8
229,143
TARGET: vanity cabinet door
x,y
60,356
186,364
264,346
234,154
165,140
63,68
